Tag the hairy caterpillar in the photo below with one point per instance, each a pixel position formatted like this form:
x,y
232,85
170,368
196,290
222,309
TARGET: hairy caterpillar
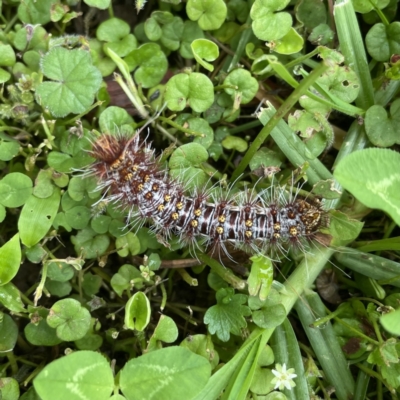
x,y
131,176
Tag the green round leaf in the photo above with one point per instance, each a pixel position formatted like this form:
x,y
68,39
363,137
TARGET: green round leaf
x,y
15,189
75,81
137,312
89,244
37,217
8,333
205,50
383,130
150,64
163,373
195,90
40,333
235,143
202,126
10,259
291,43
128,244
112,118
391,322
209,14
247,86
35,12
80,375
372,176
71,320
152,29
123,279
166,330
383,41
4,75
172,34
9,389
78,217
268,23
112,30
10,297
191,31
7,56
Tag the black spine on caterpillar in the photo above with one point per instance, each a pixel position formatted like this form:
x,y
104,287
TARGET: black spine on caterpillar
x,y
131,176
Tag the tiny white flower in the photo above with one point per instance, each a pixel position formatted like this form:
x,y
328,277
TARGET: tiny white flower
x,y
283,377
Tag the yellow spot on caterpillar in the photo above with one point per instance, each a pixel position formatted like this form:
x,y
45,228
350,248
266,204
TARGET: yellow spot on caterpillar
x,y
140,187
248,234
220,230
148,195
221,219
167,198
249,223
175,216
179,205
277,235
197,212
128,176
161,207
146,178
277,227
194,223
293,231
155,187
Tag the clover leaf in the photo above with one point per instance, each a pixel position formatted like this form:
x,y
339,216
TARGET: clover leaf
x,y
227,316
70,319
268,23
75,81
150,64
210,14
383,41
192,89
383,130
245,84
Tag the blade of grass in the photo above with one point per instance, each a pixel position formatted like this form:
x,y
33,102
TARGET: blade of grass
x,y
352,47
325,345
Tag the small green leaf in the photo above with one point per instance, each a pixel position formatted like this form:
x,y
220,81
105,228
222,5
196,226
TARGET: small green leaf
x,y
78,217
209,14
75,81
89,244
172,34
152,29
246,85
268,23
194,89
150,64
38,332
7,56
227,316
37,216
383,130
372,176
10,297
391,322
163,373
137,312
10,259
100,4
15,189
261,276
183,163
35,12
128,244
311,13
9,389
291,43
383,41
203,346
205,50
80,375
127,277
71,320
8,334
43,186
166,330
234,143
365,6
